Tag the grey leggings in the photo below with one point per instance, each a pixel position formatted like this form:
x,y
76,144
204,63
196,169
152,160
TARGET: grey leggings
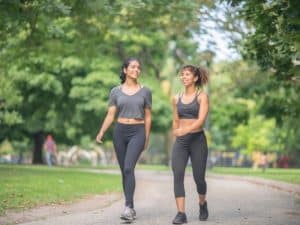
x,y
192,145
129,141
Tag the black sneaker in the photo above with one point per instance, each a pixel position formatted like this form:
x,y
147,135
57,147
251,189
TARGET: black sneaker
x,y
203,212
180,218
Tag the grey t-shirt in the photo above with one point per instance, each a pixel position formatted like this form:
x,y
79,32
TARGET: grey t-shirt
x,y
131,106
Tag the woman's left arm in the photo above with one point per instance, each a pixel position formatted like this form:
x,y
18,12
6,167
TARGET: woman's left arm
x,y
147,125
204,106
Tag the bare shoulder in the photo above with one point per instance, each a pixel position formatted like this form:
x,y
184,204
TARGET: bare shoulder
x,y
203,97
175,99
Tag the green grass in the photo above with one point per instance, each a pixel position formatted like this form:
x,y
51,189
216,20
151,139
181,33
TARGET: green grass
x,y
287,175
99,167
23,187
116,167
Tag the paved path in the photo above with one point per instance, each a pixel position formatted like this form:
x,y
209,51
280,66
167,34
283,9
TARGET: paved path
x,y
230,202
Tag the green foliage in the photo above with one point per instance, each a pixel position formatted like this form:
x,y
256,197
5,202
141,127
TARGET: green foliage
x,y
271,38
273,42
286,175
9,99
59,60
5,147
239,117
257,135
230,105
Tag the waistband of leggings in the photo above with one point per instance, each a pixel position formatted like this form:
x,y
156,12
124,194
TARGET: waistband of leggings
x,y
198,133
130,125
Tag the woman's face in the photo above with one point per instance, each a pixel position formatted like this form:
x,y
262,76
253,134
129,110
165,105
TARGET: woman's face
x,y
133,70
187,78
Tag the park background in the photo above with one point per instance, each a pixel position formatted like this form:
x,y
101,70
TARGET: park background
x,y
60,58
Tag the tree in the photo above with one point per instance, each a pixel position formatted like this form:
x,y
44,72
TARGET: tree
x,y
62,57
257,135
271,38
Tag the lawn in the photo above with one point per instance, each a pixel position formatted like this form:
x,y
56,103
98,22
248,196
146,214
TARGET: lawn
x,y
116,167
23,187
287,175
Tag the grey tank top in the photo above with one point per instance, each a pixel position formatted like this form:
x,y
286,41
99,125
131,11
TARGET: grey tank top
x,y
190,110
130,106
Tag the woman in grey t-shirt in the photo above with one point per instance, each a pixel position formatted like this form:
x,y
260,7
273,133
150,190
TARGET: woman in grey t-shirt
x,y
132,103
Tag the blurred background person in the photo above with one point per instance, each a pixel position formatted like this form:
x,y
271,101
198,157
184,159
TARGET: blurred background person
x,y
50,150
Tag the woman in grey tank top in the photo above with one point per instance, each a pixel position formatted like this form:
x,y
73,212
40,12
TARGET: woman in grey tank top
x,y
190,110
132,103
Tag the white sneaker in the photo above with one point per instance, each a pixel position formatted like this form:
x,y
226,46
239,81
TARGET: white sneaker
x,y
129,214
134,214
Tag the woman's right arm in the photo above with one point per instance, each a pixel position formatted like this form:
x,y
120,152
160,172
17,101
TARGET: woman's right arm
x,y
110,116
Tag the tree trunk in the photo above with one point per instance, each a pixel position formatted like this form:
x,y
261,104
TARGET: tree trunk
x,y
38,148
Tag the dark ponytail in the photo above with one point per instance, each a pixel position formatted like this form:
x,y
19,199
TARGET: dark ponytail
x,y
199,72
124,66
202,78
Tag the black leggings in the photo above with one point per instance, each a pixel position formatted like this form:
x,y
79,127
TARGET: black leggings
x,y
129,141
191,145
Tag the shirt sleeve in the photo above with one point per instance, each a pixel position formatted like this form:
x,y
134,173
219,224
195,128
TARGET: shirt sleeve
x,y
148,99
112,101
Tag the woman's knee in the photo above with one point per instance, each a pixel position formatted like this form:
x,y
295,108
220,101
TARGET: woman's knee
x,y
128,171
178,174
201,187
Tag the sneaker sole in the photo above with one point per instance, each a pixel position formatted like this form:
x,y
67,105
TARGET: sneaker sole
x,y
127,218
203,219
180,223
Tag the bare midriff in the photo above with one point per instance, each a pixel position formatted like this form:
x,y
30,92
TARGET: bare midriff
x,y
187,123
130,121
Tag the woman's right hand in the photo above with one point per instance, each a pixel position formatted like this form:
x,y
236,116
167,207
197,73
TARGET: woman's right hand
x,y
179,132
99,138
